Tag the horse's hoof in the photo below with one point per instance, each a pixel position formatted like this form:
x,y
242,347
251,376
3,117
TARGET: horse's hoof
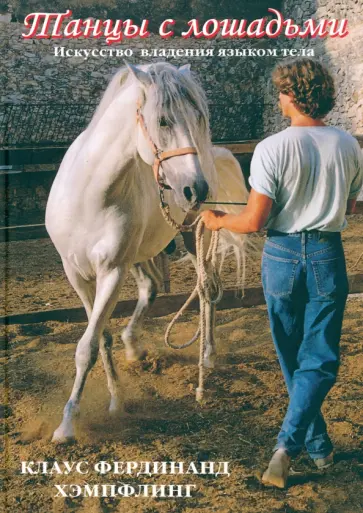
x,y
63,440
135,355
62,436
209,362
116,406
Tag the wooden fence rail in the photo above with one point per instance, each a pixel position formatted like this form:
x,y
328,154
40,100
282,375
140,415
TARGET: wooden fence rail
x,y
164,305
38,231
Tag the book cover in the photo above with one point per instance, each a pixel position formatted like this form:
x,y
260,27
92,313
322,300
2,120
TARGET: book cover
x,y
140,441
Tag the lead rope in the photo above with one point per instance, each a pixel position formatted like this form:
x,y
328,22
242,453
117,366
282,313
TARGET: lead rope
x,y
208,287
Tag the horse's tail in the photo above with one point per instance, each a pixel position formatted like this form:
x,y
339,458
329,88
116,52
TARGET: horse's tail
x,y
232,189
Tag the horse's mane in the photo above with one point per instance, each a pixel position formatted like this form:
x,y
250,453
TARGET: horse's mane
x,y
176,94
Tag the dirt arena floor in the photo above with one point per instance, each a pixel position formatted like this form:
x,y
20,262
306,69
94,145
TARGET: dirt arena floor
x,y
36,280
161,421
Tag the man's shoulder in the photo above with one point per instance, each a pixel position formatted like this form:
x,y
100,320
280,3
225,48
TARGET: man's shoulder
x,y
292,134
345,143
343,134
272,141
290,139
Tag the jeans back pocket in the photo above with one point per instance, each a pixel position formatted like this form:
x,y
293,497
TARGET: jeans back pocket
x,y
278,275
330,277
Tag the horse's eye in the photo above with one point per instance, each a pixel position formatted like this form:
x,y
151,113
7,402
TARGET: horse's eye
x,y
163,122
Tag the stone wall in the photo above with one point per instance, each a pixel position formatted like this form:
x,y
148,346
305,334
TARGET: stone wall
x,y
242,101
343,56
34,74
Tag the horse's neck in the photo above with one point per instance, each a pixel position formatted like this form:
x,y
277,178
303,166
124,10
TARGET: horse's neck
x,y
113,134
120,108
122,173
127,173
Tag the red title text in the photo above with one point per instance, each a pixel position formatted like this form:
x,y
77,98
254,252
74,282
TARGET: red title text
x,y
59,25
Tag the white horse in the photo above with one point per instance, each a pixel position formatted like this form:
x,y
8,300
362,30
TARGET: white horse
x,y
103,212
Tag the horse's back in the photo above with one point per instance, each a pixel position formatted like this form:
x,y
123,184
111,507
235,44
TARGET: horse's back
x,y
231,183
231,189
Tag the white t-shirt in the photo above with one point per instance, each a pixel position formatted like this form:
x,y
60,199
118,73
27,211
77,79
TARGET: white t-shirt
x,y
309,172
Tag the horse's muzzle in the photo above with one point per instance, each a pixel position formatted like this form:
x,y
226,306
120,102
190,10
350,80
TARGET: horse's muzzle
x,y
197,193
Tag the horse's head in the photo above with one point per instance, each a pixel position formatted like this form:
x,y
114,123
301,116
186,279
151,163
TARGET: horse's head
x,y
173,126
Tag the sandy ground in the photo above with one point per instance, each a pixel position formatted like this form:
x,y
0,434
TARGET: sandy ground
x,y
36,280
162,422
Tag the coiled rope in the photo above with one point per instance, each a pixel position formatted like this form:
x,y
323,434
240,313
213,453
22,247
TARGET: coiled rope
x,y
208,288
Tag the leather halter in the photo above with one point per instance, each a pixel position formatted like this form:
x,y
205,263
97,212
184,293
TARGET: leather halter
x,y
160,155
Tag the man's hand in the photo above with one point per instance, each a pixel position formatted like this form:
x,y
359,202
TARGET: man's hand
x,y
252,218
212,219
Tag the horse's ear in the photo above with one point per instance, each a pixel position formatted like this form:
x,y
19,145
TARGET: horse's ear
x,y
140,75
185,68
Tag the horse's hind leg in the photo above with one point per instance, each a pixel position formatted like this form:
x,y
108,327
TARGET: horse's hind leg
x,y
108,287
147,277
111,373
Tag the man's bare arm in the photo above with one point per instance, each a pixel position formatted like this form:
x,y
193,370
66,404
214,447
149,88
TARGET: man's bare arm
x,y
251,219
351,204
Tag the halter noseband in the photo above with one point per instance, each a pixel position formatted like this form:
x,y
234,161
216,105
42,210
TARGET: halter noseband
x,y
160,155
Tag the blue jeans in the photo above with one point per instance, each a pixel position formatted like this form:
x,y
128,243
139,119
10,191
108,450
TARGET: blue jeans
x,y
306,286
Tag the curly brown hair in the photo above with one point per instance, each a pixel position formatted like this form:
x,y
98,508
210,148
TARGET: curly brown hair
x,y
311,85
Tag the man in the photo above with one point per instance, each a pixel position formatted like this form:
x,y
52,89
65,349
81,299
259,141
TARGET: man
x,y
304,179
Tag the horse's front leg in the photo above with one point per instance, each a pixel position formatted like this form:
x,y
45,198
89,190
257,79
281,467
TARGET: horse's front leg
x,y
147,277
109,282
86,290
210,345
